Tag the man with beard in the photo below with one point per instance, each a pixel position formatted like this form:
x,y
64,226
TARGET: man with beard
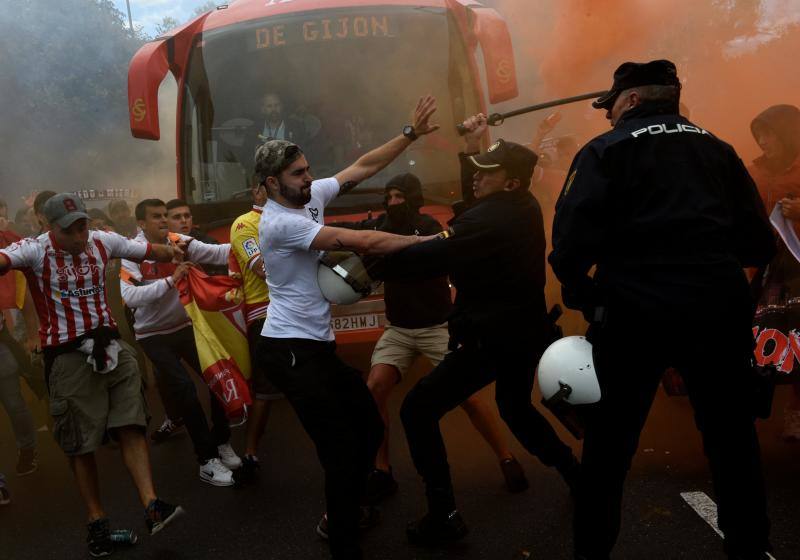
x,y
297,348
417,325
669,216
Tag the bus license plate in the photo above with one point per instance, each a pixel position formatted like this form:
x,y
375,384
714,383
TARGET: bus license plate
x,y
356,322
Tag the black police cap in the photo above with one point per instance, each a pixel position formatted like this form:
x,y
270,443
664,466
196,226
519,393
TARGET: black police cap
x,y
516,159
635,74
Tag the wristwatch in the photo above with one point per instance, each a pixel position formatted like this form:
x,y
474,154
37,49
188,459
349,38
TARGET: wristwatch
x,y
409,132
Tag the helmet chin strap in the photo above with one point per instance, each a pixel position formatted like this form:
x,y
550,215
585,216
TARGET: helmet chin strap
x,y
562,394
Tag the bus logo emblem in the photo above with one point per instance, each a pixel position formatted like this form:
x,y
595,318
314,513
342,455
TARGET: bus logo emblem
x,y
138,110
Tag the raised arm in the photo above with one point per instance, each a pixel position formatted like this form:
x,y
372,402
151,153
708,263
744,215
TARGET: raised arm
x,y
373,161
366,242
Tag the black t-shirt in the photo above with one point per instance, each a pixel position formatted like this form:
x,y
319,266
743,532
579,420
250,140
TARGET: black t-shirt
x,y
412,304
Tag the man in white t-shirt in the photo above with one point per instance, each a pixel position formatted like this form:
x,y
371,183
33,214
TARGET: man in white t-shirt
x,y
297,348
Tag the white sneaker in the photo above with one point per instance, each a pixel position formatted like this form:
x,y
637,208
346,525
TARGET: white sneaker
x,y
215,473
228,456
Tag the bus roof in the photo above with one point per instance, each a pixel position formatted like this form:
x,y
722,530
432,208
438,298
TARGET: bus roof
x,y
244,10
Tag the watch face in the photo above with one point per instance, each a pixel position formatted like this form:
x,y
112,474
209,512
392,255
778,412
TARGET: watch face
x,y
408,131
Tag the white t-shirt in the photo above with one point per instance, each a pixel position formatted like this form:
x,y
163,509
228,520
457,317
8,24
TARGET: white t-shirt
x,y
297,307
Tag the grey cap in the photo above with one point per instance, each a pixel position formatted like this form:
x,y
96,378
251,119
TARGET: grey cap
x,y
64,210
271,158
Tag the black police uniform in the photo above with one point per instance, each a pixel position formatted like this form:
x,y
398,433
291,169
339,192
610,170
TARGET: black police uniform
x,y
669,216
498,327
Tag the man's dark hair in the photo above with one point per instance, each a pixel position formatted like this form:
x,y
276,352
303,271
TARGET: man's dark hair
x,y
659,93
141,208
41,198
176,203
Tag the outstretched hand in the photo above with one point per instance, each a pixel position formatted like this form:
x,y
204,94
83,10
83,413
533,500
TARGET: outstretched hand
x,y
426,107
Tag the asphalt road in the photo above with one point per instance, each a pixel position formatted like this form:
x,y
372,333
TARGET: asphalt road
x,y
275,518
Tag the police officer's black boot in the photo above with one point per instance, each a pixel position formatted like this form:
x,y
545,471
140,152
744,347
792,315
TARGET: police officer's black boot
x,y
442,523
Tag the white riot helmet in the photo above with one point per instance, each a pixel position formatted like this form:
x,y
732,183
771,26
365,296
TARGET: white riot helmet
x,y
566,372
342,277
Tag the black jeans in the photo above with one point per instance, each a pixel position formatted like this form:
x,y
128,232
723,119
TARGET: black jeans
x,y
713,357
339,414
177,388
512,363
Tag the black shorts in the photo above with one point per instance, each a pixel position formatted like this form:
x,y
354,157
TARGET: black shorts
x,y
262,388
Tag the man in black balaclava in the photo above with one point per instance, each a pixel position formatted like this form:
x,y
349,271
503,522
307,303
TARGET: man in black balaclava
x,y
416,313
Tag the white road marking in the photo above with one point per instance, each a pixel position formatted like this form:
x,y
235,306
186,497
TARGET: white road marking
x,y
707,510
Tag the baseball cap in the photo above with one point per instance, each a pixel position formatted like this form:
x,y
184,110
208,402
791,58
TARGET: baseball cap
x,y
634,74
271,157
64,210
516,159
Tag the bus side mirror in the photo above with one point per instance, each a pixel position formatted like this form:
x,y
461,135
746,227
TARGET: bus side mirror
x,y
145,74
147,70
498,54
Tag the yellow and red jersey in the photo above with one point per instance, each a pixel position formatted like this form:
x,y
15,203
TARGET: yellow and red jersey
x,y
244,244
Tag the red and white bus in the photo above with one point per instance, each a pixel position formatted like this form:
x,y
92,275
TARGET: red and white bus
x,y
346,73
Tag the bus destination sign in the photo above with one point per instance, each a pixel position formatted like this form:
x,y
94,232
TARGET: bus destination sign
x,y
327,29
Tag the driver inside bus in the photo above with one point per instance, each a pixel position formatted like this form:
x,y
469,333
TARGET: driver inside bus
x,y
298,128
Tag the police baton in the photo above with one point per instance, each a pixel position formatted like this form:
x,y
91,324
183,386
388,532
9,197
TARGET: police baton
x,y
496,119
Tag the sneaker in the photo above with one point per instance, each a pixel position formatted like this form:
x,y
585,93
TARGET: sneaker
x,y
432,530
514,475
248,472
370,517
99,538
5,495
166,430
228,456
380,485
215,473
27,462
159,514
791,426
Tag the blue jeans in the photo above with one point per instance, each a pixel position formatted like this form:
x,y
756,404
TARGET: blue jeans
x,y
11,398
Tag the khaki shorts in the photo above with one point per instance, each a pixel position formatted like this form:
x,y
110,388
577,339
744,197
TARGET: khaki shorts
x,y
399,347
86,405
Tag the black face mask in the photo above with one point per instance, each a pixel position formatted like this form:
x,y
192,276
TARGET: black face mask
x,y
296,198
399,213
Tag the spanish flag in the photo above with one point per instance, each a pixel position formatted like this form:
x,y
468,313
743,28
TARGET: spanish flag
x,y
216,306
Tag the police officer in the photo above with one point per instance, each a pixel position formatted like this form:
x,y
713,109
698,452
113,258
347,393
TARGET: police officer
x,y
669,216
494,254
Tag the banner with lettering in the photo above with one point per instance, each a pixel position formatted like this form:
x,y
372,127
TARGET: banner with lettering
x,y
776,327
216,306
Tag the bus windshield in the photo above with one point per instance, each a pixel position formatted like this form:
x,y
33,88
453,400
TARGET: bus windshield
x,y
337,83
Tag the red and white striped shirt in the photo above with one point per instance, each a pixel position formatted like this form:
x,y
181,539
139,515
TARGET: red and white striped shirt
x,y
69,291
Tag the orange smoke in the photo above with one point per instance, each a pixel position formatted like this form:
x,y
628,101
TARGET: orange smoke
x,y
566,47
